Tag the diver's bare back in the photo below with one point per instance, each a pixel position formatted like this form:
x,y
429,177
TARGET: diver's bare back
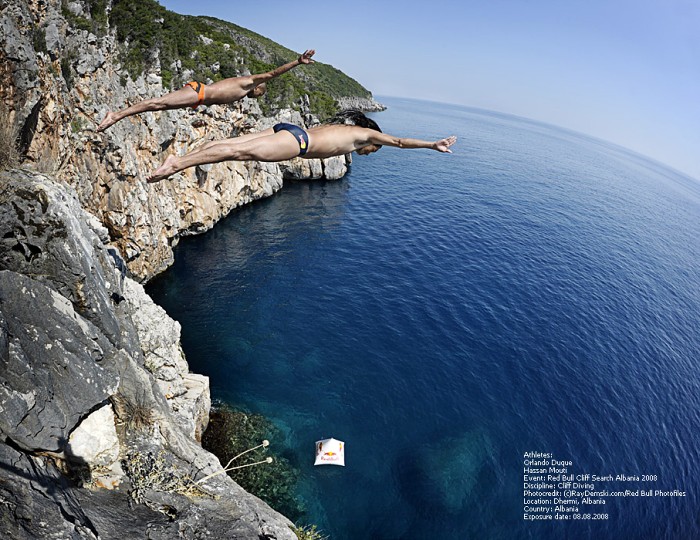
x,y
229,90
335,140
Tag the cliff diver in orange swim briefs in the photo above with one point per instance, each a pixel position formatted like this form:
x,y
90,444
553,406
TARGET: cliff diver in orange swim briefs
x,y
220,92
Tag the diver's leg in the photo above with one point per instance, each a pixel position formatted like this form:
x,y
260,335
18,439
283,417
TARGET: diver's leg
x,y
275,147
179,99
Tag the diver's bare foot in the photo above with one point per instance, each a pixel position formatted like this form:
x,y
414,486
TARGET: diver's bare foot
x,y
166,169
109,119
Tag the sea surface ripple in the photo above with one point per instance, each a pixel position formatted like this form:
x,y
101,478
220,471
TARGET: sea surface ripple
x,y
536,290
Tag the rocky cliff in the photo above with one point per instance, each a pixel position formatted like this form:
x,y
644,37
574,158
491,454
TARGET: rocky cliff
x,y
99,416
59,80
363,104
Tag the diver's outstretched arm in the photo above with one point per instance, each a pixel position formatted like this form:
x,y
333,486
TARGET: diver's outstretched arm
x,y
443,145
304,58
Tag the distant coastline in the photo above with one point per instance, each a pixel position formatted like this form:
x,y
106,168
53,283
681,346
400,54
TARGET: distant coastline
x,y
363,104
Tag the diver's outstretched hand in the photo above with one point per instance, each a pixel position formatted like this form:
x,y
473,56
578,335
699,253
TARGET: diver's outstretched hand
x,y
443,145
306,57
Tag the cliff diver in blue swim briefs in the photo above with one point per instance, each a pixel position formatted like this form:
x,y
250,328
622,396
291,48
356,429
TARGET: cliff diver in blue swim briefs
x,y
299,134
349,131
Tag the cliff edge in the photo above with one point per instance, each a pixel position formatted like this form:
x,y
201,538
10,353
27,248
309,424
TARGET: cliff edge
x,y
100,419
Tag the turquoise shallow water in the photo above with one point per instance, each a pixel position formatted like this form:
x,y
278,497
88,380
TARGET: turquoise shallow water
x,y
536,290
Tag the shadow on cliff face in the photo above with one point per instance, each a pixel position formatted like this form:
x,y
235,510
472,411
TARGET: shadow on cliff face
x,y
26,133
33,480
74,470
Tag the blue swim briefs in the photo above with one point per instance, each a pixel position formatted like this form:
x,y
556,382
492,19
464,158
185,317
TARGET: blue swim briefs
x,y
299,134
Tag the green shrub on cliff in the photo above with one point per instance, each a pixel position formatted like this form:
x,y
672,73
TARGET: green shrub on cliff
x,y
95,23
155,471
309,532
232,432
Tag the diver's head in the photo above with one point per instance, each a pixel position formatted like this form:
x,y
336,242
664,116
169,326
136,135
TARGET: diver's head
x,y
372,148
355,117
369,149
258,91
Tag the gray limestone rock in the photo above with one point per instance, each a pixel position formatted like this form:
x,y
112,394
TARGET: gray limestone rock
x,y
92,59
96,443
335,168
38,502
56,366
302,169
363,104
41,236
159,338
84,423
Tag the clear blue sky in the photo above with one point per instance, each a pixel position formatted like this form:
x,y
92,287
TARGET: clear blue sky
x,y
627,71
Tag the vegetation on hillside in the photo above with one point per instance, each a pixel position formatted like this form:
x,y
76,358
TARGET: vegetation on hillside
x,y
309,532
96,23
201,48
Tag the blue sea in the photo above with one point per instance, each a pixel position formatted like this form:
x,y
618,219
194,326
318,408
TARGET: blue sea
x,y
445,314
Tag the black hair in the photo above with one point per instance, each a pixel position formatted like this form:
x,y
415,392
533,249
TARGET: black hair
x,y
355,117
